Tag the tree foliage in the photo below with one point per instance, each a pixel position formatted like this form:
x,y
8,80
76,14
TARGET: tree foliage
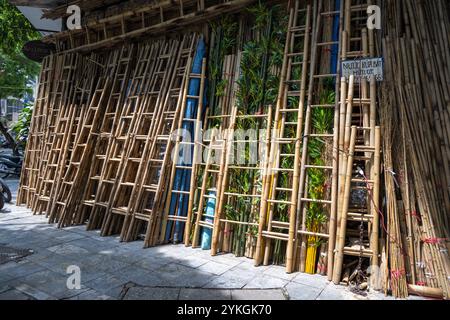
x,y
16,71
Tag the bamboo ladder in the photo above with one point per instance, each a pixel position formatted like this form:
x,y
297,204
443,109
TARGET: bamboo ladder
x,y
221,240
186,165
225,158
286,132
48,91
320,41
360,148
207,193
68,195
148,73
150,179
120,71
66,129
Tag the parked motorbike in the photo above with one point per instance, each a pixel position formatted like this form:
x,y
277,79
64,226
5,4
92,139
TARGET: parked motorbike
x,y
10,165
5,193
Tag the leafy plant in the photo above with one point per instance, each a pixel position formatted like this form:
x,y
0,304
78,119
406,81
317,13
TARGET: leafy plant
x,y
22,126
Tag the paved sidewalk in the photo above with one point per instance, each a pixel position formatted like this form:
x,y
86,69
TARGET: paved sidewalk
x,y
114,270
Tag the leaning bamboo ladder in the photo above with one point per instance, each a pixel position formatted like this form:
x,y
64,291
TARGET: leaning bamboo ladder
x,y
225,159
221,240
187,164
359,143
119,89
148,73
148,192
67,197
208,171
281,135
320,40
49,87
142,123
157,231
216,154
67,125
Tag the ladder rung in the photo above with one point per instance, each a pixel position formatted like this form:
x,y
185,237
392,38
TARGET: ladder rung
x,y
316,200
282,169
141,216
321,135
319,167
353,216
242,195
275,235
244,168
183,167
325,75
180,192
293,93
364,148
296,29
357,252
283,189
330,13
327,43
354,54
177,218
280,201
362,180
151,187
128,184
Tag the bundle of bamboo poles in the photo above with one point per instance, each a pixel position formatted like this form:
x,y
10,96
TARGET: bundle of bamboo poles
x,y
417,148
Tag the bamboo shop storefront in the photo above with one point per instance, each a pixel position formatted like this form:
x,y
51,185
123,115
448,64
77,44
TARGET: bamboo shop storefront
x,y
230,126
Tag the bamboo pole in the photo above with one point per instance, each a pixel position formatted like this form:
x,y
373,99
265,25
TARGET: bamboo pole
x,y
374,235
346,200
